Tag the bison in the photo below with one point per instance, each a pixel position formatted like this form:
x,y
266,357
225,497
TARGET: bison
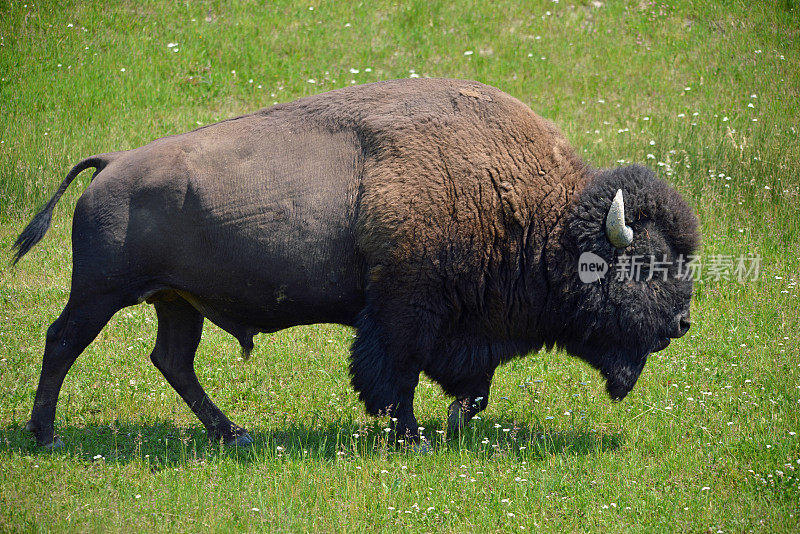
x,y
443,219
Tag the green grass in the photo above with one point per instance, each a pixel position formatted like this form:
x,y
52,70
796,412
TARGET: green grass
x,y
707,94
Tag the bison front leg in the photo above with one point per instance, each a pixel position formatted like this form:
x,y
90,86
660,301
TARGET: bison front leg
x,y
179,329
472,397
384,384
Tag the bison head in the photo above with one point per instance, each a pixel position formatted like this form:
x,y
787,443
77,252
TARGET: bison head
x,y
622,291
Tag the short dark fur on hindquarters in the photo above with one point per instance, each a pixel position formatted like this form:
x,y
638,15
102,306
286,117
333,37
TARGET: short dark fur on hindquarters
x,y
443,219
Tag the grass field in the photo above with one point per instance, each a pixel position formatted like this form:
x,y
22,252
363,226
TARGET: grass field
x,y
707,94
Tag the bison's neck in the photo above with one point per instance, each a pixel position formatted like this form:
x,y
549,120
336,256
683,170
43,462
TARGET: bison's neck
x,y
558,270
542,247
534,221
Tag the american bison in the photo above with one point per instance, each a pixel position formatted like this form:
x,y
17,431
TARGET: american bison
x,y
442,219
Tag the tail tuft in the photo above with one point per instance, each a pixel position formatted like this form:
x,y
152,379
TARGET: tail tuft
x,y
34,232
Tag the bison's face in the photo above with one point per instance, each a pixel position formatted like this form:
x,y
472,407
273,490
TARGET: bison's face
x,y
629,240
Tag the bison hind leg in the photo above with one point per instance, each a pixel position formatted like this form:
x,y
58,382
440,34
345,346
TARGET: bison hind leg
x,y
179,329
385,387
77,326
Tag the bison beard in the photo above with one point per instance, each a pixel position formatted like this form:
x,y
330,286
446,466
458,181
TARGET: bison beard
x,y
443,219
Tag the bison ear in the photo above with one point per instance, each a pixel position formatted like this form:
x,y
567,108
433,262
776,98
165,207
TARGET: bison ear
x,y
617,231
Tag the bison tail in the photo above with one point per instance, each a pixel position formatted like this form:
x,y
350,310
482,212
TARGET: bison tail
x,y
34,232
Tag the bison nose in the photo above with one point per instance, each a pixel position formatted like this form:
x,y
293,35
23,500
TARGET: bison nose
x,y
683,324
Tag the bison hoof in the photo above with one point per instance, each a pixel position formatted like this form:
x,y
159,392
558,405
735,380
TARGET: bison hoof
x,y
55,444
455,419
243,440
423,447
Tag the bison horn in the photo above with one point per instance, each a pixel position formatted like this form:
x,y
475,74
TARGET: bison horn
x,y
618,233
